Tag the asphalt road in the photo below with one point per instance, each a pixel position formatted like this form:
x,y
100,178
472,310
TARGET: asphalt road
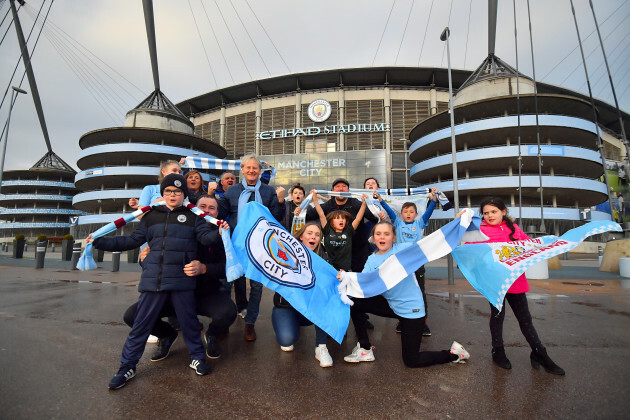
x,y
61,334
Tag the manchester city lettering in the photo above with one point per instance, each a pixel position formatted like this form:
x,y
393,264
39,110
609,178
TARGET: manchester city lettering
x,y
282,258
326,129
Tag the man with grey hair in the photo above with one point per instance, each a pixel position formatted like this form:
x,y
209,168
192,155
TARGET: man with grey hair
x,y
226,181
250,189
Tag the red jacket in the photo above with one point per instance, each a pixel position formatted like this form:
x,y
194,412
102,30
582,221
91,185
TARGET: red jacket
x,y
501,233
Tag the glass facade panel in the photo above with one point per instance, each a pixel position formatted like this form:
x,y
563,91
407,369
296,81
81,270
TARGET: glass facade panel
x,y
278,119
240,134
365,112
210,131
319,170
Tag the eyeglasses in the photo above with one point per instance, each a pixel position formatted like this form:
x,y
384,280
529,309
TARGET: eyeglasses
x,y
176,193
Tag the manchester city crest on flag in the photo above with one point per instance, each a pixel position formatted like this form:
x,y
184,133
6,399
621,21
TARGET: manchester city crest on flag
x,y
280,256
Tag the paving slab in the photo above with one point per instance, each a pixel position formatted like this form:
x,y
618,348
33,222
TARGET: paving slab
x,y
61,333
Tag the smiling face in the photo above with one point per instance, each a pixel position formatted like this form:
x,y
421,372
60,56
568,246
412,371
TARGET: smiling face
x,y
492,215
409,214
384,237
311,237
194,181
228,180
251,171
297,195
208,205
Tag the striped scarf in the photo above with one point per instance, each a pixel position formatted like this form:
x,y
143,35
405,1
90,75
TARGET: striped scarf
x,y
405,262
233,268
196,162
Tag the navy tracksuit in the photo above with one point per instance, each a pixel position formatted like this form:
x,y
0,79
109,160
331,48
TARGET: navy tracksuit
x,y
173,237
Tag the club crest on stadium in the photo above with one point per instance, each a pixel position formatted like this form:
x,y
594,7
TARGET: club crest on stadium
x,y
319,110
280,256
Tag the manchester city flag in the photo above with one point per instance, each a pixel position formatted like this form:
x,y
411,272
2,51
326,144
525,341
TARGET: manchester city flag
x,y
492,268
272,256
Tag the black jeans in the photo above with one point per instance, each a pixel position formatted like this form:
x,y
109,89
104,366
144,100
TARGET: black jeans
x,y
420,277
218,306
410,337
518,303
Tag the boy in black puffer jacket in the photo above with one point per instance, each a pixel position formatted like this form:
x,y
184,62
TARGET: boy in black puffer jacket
x,y
173,233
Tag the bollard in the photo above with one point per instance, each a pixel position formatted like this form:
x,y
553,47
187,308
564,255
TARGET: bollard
x,y
52,247
76,254
115,261
40,254
25,247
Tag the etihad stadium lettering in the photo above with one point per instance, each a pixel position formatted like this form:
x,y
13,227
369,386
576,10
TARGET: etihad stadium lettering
x,y
326,129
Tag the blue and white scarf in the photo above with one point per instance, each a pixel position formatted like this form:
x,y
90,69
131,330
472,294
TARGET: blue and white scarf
x,y
197,162
247,193
405,262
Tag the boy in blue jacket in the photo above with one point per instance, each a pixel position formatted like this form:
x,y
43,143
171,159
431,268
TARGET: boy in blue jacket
x,y
411,230
173,233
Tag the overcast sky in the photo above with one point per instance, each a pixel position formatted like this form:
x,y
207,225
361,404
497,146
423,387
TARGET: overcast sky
x,y
81,93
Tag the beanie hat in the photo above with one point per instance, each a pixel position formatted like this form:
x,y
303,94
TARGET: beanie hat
x,y
174,180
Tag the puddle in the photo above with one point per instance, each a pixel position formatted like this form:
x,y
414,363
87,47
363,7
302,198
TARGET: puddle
x,y
572,283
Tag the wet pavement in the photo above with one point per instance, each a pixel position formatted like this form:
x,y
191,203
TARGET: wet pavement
x,y
61,333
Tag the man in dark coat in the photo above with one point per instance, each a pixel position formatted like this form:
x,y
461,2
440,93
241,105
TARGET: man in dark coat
x,y
250,189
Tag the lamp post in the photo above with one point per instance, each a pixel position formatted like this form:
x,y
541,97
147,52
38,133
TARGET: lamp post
x,y
404,140
14,91
445,36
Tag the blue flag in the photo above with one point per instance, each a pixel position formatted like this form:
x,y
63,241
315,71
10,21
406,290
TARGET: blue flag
x,y
272,256
493,267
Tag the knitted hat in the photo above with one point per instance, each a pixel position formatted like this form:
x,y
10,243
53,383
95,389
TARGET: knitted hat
x,y
342,180
174,180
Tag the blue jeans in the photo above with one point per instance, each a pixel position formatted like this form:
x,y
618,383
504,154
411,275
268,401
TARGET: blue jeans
x,y
253,306
286,324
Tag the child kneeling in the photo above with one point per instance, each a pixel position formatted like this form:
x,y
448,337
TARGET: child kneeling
x,y
404,302
172,232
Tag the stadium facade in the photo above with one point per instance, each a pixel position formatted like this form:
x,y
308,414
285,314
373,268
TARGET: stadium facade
x,y
369,114
38,200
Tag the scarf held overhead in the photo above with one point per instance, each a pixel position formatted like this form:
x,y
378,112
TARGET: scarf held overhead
x,y
493,267
405,262
196,162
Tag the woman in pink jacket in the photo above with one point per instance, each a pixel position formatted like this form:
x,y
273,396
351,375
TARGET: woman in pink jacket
x,y
499,227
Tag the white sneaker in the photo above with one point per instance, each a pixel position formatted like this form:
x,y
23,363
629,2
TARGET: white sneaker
x,y
152,339
287,348
460,351
321,354
360,355
243,313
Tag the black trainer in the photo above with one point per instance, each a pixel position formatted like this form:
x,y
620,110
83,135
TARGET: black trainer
x,y
213,350
125,373
201,366
164,347
426,331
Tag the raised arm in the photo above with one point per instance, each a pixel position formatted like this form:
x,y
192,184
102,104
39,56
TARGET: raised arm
x,y
432,202
388,209
357,220
318,208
